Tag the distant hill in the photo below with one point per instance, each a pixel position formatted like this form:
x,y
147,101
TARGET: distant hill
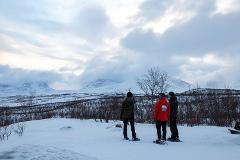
x,y
103,86
210,91
111,85
25,88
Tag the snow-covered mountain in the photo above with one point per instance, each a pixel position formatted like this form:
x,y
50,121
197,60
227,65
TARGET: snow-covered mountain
x,y
178,85
108,86
113,86
100,86
102,82
211,90
25,88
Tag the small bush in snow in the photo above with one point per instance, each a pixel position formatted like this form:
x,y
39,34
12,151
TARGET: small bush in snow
x,y
5,132
118,126
19,129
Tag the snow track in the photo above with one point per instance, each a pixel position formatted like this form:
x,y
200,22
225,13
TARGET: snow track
x,y
40,152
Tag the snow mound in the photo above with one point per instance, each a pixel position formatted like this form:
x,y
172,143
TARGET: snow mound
x,y
38,152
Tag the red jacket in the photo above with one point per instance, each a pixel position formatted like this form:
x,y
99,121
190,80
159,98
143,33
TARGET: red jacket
x,y
162,110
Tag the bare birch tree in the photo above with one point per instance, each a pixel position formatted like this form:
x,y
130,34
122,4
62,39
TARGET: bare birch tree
x,y
154,82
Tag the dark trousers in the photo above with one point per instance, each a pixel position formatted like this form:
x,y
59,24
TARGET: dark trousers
x,y
125,123
163,125
173,128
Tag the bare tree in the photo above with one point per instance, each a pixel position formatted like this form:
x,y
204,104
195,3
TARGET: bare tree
x,y
19,129
31,98
5,132
154,82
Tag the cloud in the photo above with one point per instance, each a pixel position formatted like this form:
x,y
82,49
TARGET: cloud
x,y
154,9
78,41
202,34
121,68
17,10
226,7
211,70
200,44
52,41
46,37
92,22
10,75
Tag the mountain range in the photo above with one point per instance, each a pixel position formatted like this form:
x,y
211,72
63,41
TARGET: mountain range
x,y
25,88
116,86
100,85
95,86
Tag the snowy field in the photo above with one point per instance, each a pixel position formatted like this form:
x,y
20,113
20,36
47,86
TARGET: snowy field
x,y
90,140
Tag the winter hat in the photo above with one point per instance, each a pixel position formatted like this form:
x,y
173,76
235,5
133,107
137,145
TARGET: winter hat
x,y
129,94
162,95
171,94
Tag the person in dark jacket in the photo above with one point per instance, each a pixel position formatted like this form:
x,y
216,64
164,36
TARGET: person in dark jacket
x,y
173,116
161,115
127,115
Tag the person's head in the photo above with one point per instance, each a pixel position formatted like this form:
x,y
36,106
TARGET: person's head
x,y
162,95
171,94
129,94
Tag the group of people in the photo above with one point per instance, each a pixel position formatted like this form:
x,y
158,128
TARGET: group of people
x,y
165,110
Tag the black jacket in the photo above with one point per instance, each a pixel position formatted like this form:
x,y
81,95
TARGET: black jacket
x,y
127,111
173,107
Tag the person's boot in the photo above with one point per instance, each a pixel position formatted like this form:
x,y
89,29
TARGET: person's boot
x,y
170,139
158,141
164,139
126,138
176,139
136,139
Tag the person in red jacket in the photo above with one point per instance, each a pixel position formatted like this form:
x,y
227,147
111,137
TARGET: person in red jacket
x,y
161,115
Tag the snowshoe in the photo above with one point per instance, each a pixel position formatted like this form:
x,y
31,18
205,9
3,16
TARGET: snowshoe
x,y
160,142
170,139
234,131
135,139
126,138
173,140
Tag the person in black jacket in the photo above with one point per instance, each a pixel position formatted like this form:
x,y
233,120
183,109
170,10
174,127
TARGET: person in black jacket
x,y
173,117
127,115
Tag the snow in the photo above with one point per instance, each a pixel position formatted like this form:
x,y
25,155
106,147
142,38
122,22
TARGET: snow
x,y
86,139
38,152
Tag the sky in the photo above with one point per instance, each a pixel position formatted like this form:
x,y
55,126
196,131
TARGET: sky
x,y
70,43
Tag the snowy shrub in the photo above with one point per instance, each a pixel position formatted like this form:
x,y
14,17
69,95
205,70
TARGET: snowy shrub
x,y
19,128
118,126
5,132
196,107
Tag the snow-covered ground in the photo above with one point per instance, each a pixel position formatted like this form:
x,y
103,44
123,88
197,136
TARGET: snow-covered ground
x,y
90,140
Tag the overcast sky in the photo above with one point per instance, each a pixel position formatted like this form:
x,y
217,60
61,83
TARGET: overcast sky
x,y
69,42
